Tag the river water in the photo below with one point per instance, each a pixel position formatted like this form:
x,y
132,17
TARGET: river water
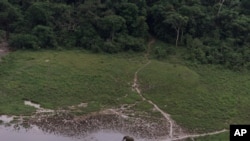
x,y
35,134
8,132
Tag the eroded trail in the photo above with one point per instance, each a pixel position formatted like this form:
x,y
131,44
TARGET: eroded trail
x,y
135,86
172,125
166,116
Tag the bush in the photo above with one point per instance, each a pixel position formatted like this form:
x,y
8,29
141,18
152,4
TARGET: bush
x,y
110,47
160,52
23,41
45,36
197,50
131,43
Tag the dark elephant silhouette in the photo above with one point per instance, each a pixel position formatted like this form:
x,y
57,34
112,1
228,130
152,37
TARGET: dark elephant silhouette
x,y
127,138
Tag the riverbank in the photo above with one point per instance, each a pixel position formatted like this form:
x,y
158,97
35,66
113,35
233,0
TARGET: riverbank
x,y
65,124
196,97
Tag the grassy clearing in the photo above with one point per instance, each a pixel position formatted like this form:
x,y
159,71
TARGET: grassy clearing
x,y
203,99
60,79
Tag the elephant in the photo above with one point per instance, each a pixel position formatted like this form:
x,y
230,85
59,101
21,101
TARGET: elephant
x,y
127,138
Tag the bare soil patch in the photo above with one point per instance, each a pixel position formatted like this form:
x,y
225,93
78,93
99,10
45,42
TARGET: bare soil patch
x,y
4,49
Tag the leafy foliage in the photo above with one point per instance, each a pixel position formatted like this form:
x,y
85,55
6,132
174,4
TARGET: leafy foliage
x,y
214,32
45,36
24,41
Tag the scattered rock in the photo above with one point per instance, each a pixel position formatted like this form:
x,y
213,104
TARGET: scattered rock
x,y
69,125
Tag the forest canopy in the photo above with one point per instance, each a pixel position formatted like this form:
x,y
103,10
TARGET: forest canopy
x,y
212,31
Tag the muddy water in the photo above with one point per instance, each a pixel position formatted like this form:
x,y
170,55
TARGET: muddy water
x,y
62,126
35,134
17,132
107,136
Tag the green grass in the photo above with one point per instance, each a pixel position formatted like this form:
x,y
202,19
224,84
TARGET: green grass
x,y
203,98
60,79
218,137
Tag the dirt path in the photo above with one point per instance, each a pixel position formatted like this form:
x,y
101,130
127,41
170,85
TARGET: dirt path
x,y
149,48
3,49
135,86
199,135
171,134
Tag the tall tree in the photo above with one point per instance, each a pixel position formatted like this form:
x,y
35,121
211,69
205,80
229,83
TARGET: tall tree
x,y
8,16
38,13
110,25
129,11
178,22
221,4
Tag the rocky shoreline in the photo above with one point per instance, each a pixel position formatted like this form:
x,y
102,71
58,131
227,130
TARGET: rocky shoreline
x,y
68,125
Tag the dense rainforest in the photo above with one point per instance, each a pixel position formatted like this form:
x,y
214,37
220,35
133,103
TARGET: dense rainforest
x,y
211,31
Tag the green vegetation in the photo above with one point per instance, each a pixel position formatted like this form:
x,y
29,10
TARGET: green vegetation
x,y
214,32
219,137
203,98
57,79
188,76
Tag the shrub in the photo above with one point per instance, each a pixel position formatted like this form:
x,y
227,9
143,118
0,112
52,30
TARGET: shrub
x,y
110,47
160,52
131,43
45,36
23,41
